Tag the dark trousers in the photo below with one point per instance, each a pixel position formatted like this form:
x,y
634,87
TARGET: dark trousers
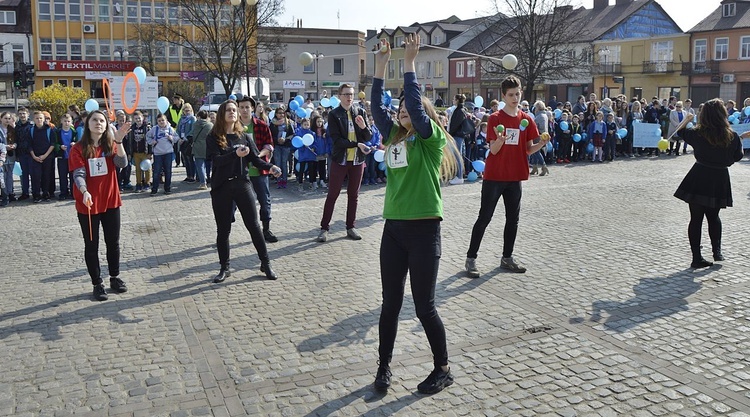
x,y
237,192
123,174
411,246
697,212
565,148
162,162
610,148
66,177
25,161
491,193
263,193
51,187
322,171
110,221
177,154
40,177
189,163
338,173
309,169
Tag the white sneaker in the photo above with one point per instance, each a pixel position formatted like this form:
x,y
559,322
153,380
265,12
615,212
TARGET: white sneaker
x,y
456,181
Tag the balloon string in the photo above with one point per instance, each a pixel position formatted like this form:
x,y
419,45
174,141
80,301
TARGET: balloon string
x,y
91,230
464,52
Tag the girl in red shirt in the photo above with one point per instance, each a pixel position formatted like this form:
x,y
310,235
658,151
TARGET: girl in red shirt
x,y
93,161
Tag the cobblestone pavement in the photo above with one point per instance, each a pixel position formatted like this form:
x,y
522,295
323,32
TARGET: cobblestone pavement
x,y
608,320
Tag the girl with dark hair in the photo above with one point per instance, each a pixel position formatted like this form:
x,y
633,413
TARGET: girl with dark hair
x,y
707,187
231,149
93,161
8,138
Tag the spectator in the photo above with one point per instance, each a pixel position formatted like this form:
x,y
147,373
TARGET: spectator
x,y
162,139
41,147
141,151
282,130
66,136
199,132
8,138
184,126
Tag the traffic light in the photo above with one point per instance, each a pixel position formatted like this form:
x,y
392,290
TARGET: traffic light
x,y
29,76
19,79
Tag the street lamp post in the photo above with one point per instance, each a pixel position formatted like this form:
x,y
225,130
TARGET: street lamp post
x,y
121,56
604,53
317,56
243,4
473,75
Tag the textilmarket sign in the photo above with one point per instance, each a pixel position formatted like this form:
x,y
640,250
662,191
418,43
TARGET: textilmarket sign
x,y
86,66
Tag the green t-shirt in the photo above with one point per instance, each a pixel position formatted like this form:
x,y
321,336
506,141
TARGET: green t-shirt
x,y
413,167
252,171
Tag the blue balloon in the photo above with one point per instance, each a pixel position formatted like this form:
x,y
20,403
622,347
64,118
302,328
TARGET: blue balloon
x,y
590,148
522,128
387,98
334,101
308,112
747,111
564,125
558,113
472,176
549,147
478,165
301,112
146,165
293,105
690,125
233,97
297,142
140,74
296,167
622,132
478,101
487,154
296,154
736,121
576,138
300,100
584,136
17,171
325,102
162,104
91,105
382,166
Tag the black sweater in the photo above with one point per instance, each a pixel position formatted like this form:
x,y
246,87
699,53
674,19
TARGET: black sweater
x,y
226,164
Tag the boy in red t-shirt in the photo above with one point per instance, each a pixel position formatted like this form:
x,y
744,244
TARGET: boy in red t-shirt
x,y
511,134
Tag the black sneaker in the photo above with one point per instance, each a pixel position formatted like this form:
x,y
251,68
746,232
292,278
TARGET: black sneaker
x,y
117,285
383,378
435,383
23,197
167,192
154,192
700,263
269,236
100,294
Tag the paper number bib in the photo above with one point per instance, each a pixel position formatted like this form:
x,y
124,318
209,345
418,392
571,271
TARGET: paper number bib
x,y
396,155
513,136
97,167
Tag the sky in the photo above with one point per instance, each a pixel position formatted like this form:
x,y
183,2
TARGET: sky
x,y
392,13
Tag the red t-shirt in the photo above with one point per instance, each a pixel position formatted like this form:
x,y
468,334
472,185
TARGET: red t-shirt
x,y
101,180
511,162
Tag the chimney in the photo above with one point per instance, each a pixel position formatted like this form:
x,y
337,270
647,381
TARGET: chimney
x,y
600,4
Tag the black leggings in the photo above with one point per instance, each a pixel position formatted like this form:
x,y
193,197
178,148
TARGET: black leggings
x,y
491,192
411,246
223,199
110,221
696,224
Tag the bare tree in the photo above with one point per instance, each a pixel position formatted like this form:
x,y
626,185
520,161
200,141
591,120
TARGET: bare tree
x,y
218,35
150,39
542,35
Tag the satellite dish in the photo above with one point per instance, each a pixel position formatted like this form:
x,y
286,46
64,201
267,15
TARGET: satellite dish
x,y
118,8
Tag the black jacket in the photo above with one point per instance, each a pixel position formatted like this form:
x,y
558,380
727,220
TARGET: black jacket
x,y
226,164
338,130
457,126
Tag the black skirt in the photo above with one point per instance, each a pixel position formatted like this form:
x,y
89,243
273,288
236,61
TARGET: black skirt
x,y
706,186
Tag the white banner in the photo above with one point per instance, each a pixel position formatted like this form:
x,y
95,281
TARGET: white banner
x,y
98,75
294,84
148,95
646,135
740,129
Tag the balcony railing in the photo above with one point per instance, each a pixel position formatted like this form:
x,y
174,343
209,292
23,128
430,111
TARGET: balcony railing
x,y
658,67
700,67
608,68
8,67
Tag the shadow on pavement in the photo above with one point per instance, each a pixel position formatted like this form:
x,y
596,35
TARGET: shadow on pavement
x,y
369,395
655,298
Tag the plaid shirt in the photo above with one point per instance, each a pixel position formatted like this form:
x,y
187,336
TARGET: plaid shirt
x,y
263,138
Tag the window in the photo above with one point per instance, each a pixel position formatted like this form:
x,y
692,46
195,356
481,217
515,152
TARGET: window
x,y
90,49
145,12
401,68
614,54
459,69
74,11
278,63
338,66
60,12
745,47
103,11
159,51
89,11
437,39
420,70
75,50
728,10
43,8
471,70
78,83
132,11
588,56
391,69
438,69
61,49
105,50
699,50
721,49
7,17
174,53
428,69
118,12
661,53
159,12
47,83
173,13
63,82
307,69
398,41
45,48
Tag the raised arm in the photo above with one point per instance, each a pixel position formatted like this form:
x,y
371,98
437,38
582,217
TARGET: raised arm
x,y
412,96
380,115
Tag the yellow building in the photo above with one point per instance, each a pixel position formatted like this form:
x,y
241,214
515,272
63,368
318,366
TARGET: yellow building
x,y
79,42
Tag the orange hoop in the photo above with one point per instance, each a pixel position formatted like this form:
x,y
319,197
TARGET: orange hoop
x,y
131,110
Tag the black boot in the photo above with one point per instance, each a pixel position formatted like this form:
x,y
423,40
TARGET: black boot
x,y
716,248
222,275
265,267
268,234
698,261
3,198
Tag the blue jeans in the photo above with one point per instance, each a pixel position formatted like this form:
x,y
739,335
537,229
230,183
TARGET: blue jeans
x,y
281,160
25,161
200,168
162,162
189,162
260,186
371,169
10,162
460,156
536,158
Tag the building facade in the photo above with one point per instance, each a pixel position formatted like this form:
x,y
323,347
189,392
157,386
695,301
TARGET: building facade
x,y
17,41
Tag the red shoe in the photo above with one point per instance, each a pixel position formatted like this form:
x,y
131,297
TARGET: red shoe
x,y
567,161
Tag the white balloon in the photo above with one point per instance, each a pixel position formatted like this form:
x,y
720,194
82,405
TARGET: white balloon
x,y
305,59
308,139
379,155
510,62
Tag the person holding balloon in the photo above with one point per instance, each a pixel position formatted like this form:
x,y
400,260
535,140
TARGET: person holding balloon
x,y
232,150
141,152
306,154
419,155
282,130
8,138
564,134
513,136
93,162
324,149
174,114
162,139
707,187
676,117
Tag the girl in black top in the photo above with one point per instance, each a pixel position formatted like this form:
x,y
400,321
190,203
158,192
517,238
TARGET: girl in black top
x,y
706,187
231,149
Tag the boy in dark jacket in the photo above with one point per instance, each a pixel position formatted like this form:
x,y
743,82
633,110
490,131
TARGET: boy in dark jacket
x,y
42,145
66,136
